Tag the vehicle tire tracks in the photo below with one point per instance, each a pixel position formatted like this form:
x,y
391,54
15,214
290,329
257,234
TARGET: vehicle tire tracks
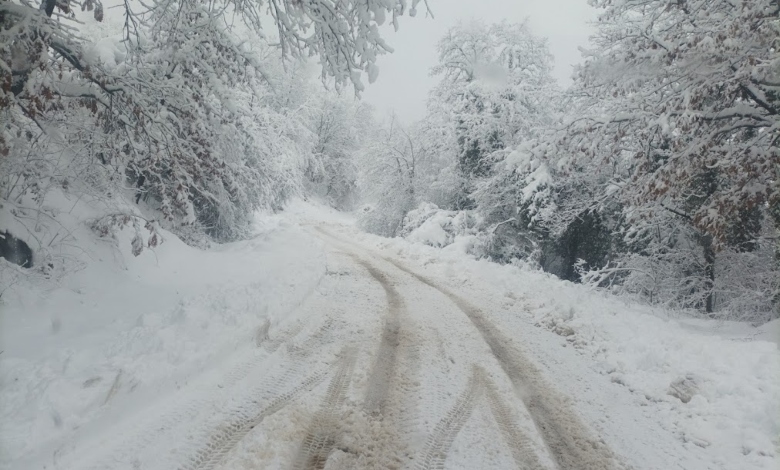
x,y
222,440
320,337
439,442
372,434
519,443
231,433
381,379
273,343
441,439
324,429
570,442
391,383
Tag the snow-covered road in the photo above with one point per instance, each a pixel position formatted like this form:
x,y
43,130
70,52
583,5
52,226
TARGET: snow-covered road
x,y
440,360
387,358
381,368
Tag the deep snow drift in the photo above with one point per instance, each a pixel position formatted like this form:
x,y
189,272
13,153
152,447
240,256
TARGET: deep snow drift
x,y
123,338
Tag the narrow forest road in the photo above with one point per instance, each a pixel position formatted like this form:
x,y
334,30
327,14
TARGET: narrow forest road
x,y
383,369
313,345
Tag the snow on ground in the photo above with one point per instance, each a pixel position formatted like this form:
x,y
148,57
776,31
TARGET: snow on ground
x,y
129,343
73,353
713,387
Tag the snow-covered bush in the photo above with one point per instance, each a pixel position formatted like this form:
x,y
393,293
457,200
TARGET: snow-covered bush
x,y
435,227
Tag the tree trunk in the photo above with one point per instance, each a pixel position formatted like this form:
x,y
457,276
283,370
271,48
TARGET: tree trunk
x,y
709,272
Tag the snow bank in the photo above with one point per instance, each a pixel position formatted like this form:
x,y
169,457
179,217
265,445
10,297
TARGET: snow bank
x,y
456,231
713,386
73,350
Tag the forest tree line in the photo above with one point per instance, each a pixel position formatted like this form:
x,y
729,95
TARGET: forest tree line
x,y
655,174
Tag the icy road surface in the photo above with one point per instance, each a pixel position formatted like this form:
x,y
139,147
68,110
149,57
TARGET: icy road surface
x,y
383,368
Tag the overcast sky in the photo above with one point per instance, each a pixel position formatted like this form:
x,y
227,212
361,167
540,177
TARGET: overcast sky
x,y
403,82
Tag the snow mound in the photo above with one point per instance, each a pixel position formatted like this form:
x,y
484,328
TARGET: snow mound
x,y
439,228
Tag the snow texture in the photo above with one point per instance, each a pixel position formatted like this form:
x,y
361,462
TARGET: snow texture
x,y
178,341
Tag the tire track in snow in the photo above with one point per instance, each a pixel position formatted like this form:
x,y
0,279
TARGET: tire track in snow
x,y
390,385
383,373
272,344
519,443
222,440
225,439
316,340
570,442
210,441
141,435
385,370
324,429
370,436
439,442
434,455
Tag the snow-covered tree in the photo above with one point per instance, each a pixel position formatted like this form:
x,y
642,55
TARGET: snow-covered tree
x,y
339,126
680,107
697,87
189,116
344,34
389,178
496,83
496,94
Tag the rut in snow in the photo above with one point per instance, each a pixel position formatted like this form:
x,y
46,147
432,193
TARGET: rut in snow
x,y
439,442
224,439
274,392
383,373
391,383
324,429
570,442
272,344
323,335
519,443
242,420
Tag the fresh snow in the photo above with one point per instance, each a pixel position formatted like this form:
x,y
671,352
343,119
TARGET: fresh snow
x,y
130,362
125,327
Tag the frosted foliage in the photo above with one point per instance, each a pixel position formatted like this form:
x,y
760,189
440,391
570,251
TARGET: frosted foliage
x,y
671,139
343,34
496,92
191,116
655,174
339,126
496,85
389,179
691,87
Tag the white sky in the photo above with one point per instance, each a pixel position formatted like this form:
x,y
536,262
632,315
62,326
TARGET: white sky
x,y
404,82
